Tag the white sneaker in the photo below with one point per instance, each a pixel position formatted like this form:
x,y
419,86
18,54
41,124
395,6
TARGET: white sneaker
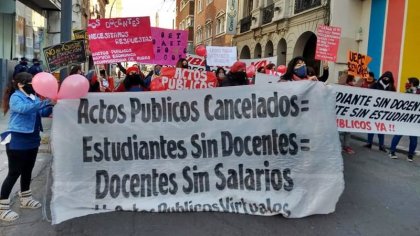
x,y
392,155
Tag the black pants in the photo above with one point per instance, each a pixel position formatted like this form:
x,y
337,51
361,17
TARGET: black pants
x,y
21,163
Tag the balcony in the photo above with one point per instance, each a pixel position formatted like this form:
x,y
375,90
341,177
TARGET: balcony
x,y
246,24
303,5
267,14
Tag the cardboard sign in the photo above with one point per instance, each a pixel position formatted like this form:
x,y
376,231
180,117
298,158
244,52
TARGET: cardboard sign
x,y
328,40
221,56
357,64
182,79
80,34
169,46
64,54
120,40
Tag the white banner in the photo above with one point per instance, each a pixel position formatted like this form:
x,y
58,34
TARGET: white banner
x,y
221,56
376,111
260,150
263,79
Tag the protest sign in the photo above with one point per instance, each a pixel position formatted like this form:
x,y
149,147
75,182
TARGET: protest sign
x,y
260,150
169,46
64,54
264,79
80,34
197,63
120,39
181,79
375,111
328,39
221,56
357,64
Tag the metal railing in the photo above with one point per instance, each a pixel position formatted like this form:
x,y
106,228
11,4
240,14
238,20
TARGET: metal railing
x,y
267,14
303,5
246,24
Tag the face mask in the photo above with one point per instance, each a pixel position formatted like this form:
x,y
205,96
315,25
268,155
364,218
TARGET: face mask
x,y
301,72
28,89
157,72
222,75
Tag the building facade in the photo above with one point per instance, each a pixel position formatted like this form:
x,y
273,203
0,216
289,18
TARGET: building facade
x,y
185,20
210,23
282,28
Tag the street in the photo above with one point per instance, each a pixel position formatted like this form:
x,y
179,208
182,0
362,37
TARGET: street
x,y
381,197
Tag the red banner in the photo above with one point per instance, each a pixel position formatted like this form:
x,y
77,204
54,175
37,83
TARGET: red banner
x,y
120,39
328,39
184,79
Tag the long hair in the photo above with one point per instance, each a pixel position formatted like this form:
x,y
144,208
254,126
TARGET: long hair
x,y
179,63
22,78
291,67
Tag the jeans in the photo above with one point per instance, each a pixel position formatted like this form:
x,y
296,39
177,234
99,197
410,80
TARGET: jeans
x,y
411,148
381,138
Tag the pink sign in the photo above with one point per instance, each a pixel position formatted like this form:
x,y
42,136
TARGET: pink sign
x,y
169,46
120,39
328,39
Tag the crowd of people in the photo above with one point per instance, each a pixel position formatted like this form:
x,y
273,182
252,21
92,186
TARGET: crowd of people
x,y
22,138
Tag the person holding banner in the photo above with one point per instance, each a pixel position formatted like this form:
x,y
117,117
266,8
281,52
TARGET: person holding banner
x,y
411,87
182,63
236,76
347,80
325,72
385,82
22,140
220,75
135,81
296,70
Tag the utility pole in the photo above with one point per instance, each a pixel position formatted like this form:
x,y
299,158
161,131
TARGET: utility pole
x,y
66,23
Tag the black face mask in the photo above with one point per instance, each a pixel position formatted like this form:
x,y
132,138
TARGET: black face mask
x,y
28,89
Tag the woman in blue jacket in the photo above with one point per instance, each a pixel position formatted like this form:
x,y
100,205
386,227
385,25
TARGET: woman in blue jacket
x,y
22,141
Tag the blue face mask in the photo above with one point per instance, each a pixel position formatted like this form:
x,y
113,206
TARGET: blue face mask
x,y
301,72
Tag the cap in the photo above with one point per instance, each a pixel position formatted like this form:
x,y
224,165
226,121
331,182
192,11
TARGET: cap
x,y
133,69
237,66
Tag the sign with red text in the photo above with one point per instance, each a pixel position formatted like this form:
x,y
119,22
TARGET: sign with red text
x,y
182,79
169,46
328,40
120,40
357,64
376,111
256,150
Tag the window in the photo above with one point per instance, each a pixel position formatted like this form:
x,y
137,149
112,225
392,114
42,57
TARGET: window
x,y
199,35
208,30
199,6
220,23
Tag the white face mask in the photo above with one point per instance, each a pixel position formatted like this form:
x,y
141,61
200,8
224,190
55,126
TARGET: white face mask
x,y
222,75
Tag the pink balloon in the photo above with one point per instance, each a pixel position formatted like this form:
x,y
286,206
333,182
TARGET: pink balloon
x,y
45,84
201,51
74,87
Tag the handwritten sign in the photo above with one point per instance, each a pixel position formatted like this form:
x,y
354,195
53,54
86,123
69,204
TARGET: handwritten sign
x,y
357,64
120,39
328,39
64,54
80,34
221,56
169,46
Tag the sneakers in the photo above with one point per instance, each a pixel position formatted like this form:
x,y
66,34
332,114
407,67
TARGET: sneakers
x,y
369,145
392,155
382,148
410,158
348,150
